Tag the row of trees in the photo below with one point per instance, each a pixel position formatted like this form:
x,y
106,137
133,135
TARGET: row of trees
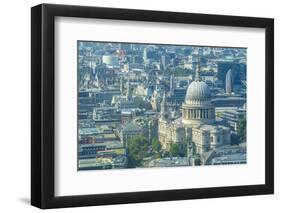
x,y
179,150
138,148
178,71
242,130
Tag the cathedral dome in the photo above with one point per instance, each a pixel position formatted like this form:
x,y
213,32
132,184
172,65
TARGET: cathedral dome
x,y
198,107
198,90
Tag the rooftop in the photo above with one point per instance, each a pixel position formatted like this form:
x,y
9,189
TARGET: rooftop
x,y
169,162
88,131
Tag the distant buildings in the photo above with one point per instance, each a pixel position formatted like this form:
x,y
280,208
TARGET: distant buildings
x,y
159,92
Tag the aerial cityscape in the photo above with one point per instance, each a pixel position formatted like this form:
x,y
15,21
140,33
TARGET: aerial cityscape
x,y
160,105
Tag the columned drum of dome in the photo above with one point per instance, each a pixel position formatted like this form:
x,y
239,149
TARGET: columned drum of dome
x,y
198,107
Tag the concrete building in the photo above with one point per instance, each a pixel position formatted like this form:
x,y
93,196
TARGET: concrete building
x,y
106,115
228,155
178,96
127,116
233,116
231,101
129,131
110,60
105,96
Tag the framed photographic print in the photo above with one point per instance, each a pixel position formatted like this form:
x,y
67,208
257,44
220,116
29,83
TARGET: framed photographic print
x,y
139,106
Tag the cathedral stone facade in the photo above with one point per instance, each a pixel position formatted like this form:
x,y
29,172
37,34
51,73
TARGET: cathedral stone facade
x,y
197,125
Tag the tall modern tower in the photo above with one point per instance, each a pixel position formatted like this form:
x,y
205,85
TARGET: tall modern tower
x,y
144,54
163,61
129,91
172,84
229,81
121,84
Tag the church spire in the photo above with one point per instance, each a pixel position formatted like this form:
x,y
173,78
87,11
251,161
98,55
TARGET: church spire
x,y
129,95
121,84
163,105
97,80
197,71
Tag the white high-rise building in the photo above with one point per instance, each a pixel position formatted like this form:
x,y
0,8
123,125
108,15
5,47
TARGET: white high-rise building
x,y
110,60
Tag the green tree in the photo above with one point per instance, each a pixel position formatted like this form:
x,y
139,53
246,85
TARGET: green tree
x,y
242,130
179,150
157,155
140,103
174,150
182,71
156,145
166,154
137,149
178,71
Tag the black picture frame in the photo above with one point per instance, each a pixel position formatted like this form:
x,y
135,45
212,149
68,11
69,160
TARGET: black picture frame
x,y
43,105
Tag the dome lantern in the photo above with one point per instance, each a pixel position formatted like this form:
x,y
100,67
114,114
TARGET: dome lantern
x,y
197,71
